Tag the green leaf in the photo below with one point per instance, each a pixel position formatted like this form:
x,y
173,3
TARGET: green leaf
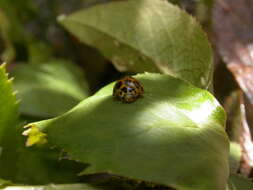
x,y
18,163
54,187
237,182
8,102
174,135
37,166
49,89
146,35
8,123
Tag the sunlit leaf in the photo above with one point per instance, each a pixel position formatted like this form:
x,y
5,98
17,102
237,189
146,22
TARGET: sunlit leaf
x,y
146,35
174,135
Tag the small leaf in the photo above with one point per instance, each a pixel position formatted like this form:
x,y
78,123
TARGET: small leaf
x,y
36,136
174,135
146,35
49,89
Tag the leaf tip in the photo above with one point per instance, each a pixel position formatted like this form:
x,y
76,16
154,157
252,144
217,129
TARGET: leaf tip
x,y
35,136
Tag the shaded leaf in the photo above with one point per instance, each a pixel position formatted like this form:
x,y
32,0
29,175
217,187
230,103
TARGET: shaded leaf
x,y
18,163
52,169
237,182
49,89
157,138
146,35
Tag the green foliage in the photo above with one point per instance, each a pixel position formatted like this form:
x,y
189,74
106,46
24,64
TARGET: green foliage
x,y
54,187
43,166
146,35
18,163
157,138
12,16
40,85
237,182
9,52
8,110
8,123
173,137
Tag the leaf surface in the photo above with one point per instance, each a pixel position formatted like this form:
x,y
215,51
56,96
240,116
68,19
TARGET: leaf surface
x,y
174,135
146,35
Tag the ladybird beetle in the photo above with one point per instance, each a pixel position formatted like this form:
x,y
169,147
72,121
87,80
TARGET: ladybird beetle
x,y
127,89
